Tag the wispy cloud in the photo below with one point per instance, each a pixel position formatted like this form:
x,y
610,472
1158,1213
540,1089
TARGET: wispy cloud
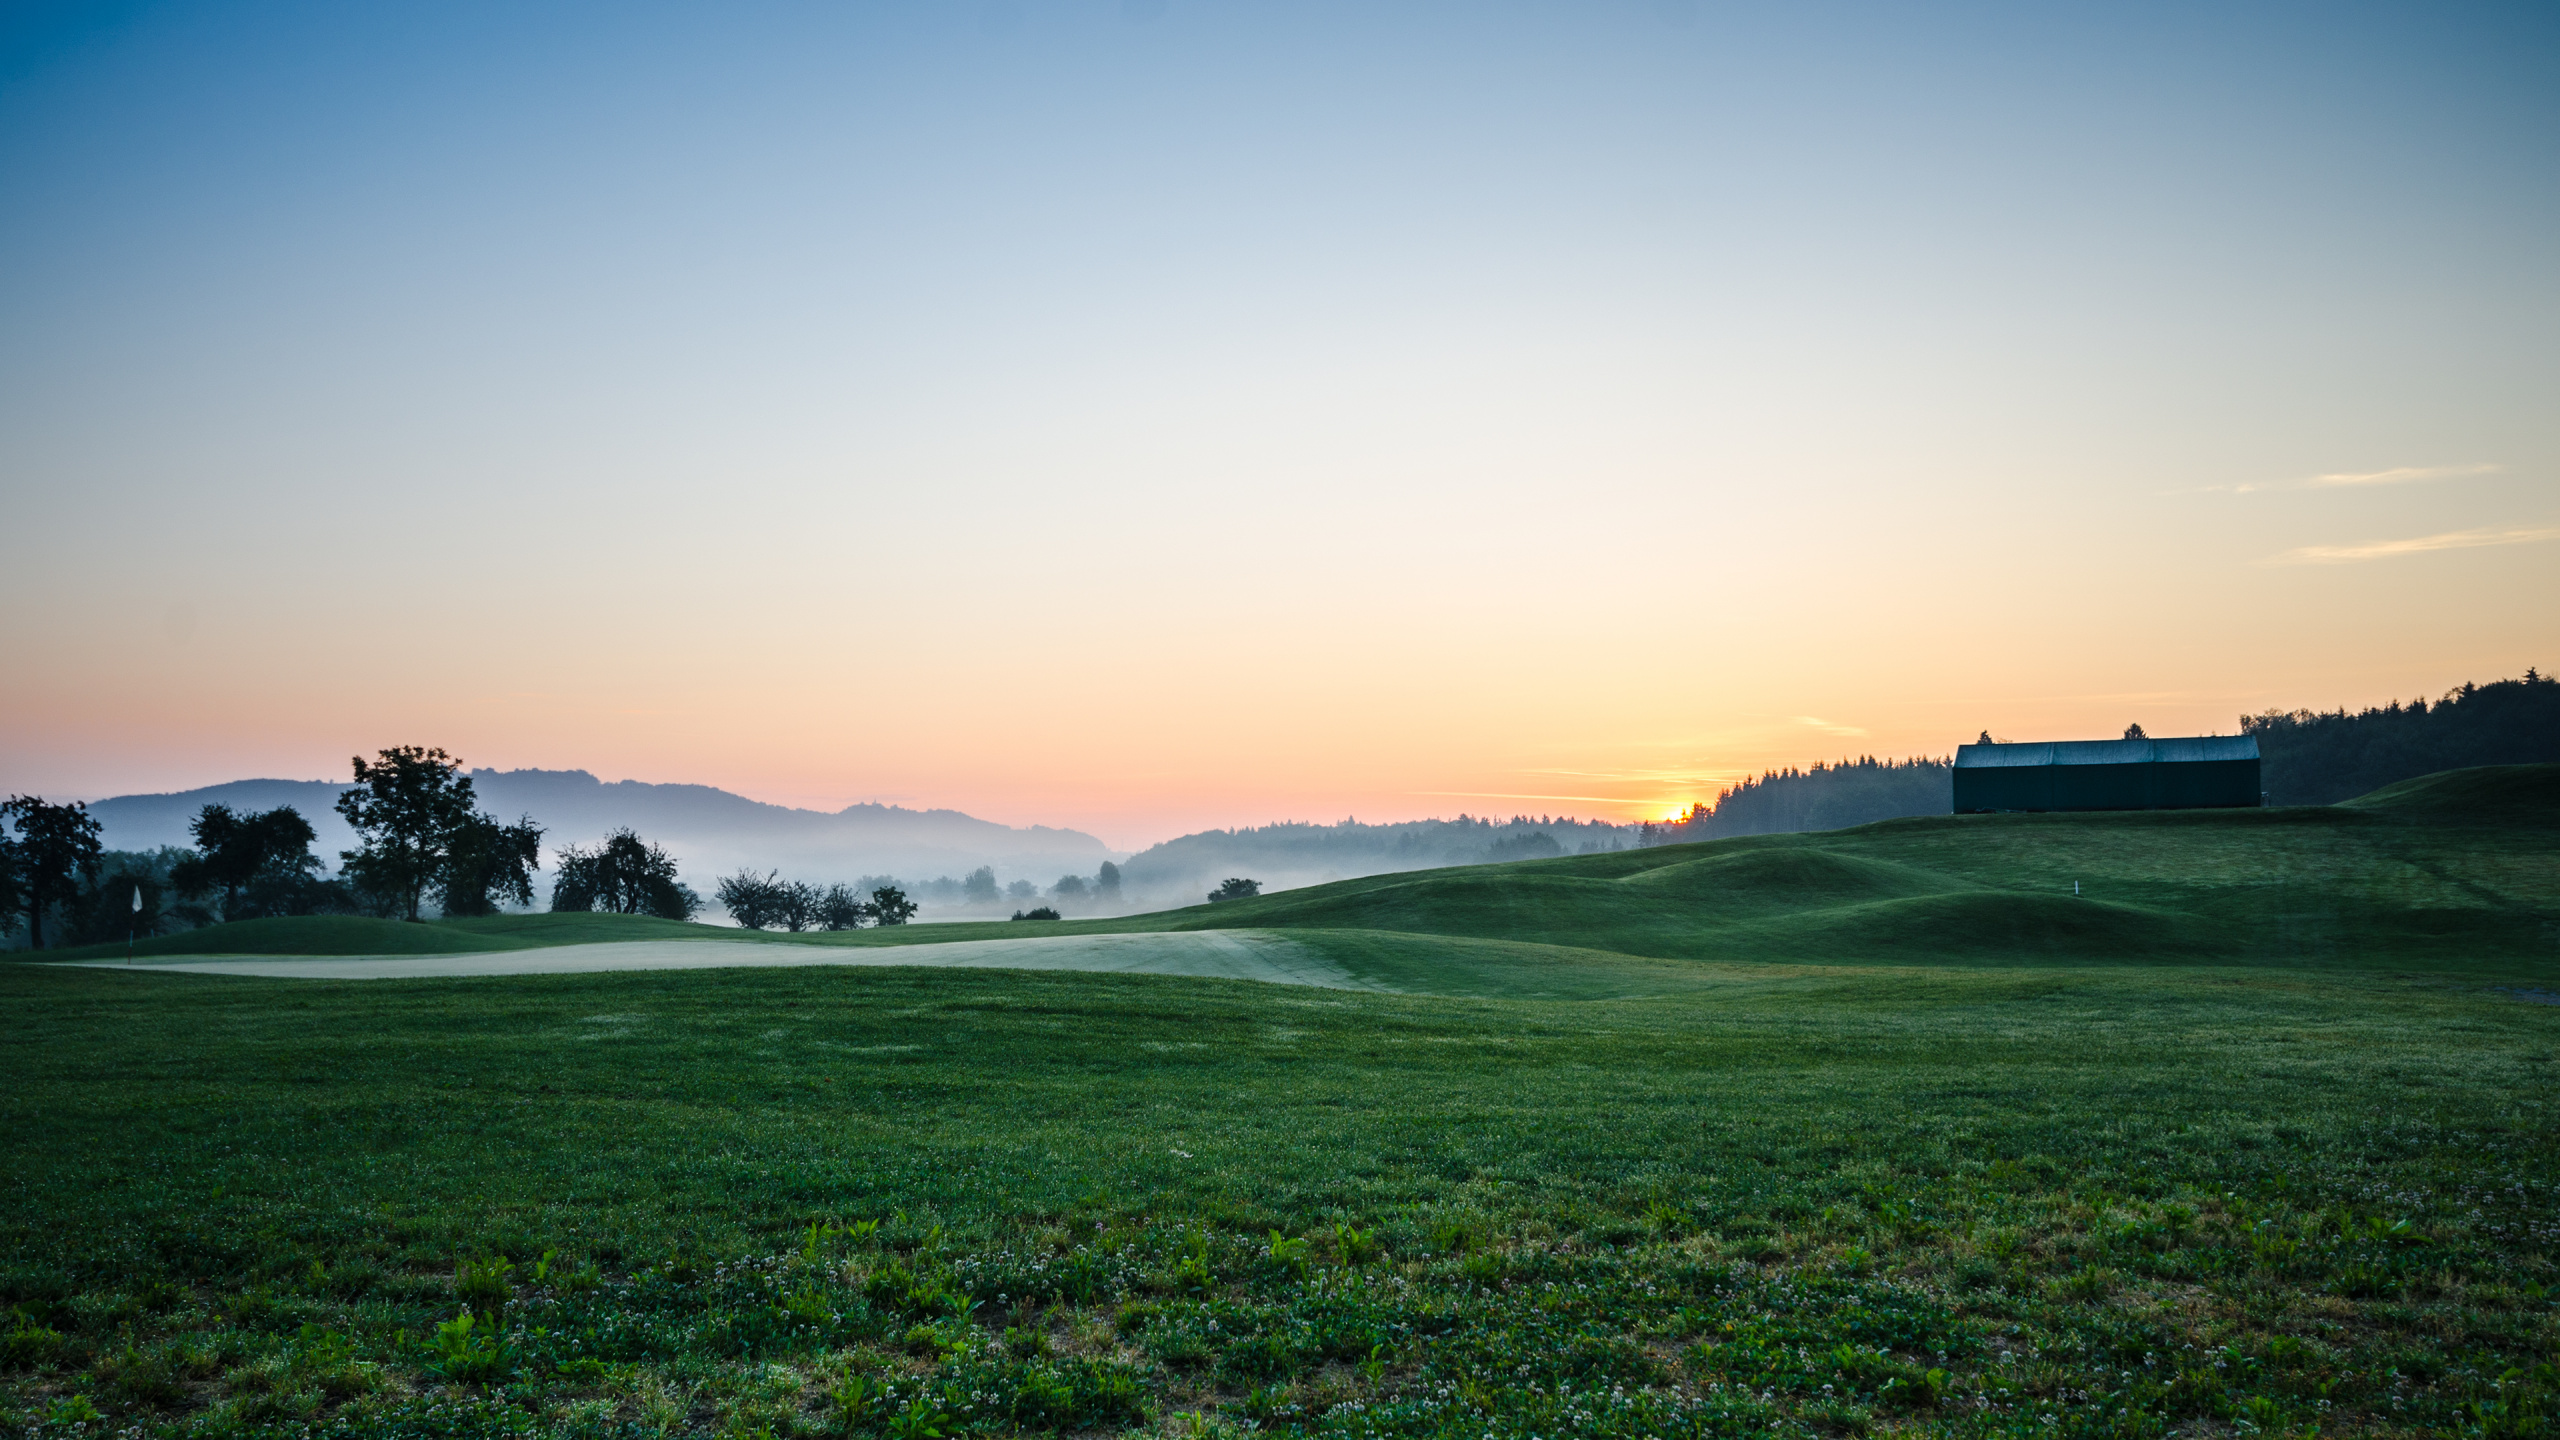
x,y
1827,727
2402,476
2419,545
1514,795
2346,479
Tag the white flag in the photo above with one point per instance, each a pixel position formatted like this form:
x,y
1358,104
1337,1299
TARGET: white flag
x,y
137,899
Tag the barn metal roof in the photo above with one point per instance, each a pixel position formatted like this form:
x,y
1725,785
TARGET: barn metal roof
x,y
2187,750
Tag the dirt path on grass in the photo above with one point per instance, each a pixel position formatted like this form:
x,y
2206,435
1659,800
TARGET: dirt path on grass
x,y
1212,954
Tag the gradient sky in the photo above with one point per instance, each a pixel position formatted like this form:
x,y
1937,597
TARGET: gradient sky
x,y
1152,415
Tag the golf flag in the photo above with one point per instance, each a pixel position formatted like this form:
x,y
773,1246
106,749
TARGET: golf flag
x,y
137,899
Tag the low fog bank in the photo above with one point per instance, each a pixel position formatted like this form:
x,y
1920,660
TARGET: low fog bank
x,y
1293,854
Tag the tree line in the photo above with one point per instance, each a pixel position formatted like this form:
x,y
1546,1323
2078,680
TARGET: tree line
x,y
422,839
2311,758
765,902
1820,797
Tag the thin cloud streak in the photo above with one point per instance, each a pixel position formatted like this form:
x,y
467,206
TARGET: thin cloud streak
x,y
2386,549
1508,795
2345,480
2402,476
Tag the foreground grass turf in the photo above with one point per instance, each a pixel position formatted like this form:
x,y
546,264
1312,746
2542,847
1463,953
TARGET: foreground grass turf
x,y
2121,1200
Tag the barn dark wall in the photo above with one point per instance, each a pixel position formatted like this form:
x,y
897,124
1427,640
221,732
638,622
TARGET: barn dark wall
x,y
2151,785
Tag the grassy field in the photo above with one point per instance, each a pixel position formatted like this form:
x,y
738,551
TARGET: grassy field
x,y
2282,1164
2459,869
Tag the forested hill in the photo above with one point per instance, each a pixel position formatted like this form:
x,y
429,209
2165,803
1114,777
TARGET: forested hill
x,y
2320,759
1828,797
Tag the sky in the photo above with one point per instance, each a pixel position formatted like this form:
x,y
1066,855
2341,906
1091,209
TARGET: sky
x,y
1150,415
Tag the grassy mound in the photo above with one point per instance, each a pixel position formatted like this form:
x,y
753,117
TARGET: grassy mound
x,y
2519,795
2456,869
1763,881
1983,925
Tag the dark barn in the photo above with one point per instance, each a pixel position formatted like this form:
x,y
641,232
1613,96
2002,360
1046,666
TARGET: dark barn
x,y
2203,772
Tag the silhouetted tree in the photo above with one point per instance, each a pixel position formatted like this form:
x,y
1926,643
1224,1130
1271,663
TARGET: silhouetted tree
x,y
488,864
979,886
105,911
796,905
842,908
1037,912
12,891
623,876
1069,887
753,901
1106,884
56,845
1235,888
407,808
261,862
890,906
2134,732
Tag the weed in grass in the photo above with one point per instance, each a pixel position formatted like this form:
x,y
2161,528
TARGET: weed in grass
x,y
468,1348
144,1377
1191,1271
1290,1255
922,1419
26,1344
1354,1245
481,1285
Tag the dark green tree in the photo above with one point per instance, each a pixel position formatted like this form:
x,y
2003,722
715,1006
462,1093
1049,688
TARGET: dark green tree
x,y
261,862
625,875
754,901
842,908
796,904
890,906
1235,888
57,844
408,806
488,864
11,891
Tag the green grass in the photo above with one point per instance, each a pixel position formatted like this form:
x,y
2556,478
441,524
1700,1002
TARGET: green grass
x,y
2104,1186
2461,868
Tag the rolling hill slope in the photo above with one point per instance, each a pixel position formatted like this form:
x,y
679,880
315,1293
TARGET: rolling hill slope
x,y
2460,869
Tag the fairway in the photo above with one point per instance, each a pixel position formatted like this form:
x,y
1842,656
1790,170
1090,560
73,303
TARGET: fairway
x,y
1208,954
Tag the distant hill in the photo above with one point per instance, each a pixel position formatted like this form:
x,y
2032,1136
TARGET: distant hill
x,y
710,832
1287,855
